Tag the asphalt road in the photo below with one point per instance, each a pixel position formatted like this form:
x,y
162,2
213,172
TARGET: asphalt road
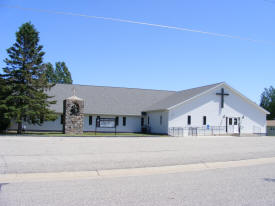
x,y
254,185
53,154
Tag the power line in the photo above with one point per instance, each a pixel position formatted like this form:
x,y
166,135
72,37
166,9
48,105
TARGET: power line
x,y
136,22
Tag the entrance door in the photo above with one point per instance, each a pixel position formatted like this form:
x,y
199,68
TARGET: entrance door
x,y
233,125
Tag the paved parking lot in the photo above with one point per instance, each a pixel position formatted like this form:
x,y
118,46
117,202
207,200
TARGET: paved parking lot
x,y
53,154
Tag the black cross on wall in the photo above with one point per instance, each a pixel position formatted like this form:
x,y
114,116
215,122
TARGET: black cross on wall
x,y
222,97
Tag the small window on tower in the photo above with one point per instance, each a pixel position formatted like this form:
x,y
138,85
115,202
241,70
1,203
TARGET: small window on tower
x,y
160,119
142,121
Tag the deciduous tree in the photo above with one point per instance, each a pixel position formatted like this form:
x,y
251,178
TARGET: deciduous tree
x,y
268,101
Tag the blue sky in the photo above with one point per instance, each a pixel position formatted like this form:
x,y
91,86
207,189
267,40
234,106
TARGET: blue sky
x,y
108,53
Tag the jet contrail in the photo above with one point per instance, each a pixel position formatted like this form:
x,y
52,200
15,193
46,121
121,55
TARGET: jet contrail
x,y
136,22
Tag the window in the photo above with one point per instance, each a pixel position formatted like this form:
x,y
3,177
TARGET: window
x,y
148,120
117,121
142,121
61,119
90,120
235,121
230,121
124,121
160,120
98,121
189,120
204,120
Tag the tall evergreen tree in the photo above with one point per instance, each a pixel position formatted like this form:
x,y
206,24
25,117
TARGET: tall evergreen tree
x,y
4,107
50,73
63,74
268,101
58,75
25,75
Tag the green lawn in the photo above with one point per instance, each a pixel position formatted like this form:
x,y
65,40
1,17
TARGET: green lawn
x,y
85,134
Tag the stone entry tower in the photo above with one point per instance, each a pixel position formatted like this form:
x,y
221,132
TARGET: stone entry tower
x,y
73,109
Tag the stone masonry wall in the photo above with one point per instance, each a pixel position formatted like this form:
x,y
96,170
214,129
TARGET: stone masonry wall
x,y
73,123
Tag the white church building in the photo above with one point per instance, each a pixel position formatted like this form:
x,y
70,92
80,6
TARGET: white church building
x,y
212,109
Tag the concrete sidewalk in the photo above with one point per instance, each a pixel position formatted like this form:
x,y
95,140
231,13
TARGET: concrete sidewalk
x,y
99,174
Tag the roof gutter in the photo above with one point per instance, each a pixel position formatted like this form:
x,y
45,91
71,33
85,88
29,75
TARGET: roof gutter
x,y
156,110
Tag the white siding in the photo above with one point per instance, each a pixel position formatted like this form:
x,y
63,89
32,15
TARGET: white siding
x,y
132,124
46,126
209,105
155,124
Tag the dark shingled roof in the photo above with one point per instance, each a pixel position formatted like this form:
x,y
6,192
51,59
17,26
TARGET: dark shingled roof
x,y
108,100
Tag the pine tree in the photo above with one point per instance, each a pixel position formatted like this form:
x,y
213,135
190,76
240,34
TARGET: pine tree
x,y
4,107
25,75
50,73
63,75
58,75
